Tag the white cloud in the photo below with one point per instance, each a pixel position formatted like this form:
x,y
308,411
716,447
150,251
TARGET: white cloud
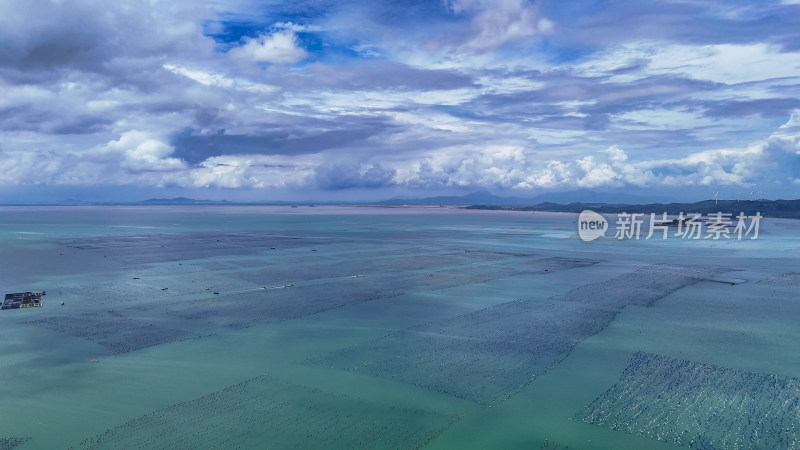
x,y
659,119
25,167
499,21
434,120
139,157
514,167
141,152
217,80
297,28
508,84
722,63
791,125
363,102
252,171
204,78
727,63
281,47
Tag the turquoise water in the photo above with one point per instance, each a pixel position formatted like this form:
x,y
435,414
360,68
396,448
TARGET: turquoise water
x,y
359,327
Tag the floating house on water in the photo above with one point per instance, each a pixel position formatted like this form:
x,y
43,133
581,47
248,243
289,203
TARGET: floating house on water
x,y
22,300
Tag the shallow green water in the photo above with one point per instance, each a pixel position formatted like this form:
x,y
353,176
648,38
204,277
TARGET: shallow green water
x,y
333,327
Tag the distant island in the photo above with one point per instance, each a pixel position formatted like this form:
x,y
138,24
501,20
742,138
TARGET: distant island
x,y
768,208
183,201
487,198
572,201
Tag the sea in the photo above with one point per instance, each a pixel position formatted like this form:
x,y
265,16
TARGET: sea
x,y
279,327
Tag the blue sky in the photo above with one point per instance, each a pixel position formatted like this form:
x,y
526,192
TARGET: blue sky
x,y
347,100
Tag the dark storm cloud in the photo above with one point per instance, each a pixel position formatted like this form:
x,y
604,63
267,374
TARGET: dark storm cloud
x,y
653,142
597,23
195,148
516,112
379,75
543,107
76,67
611,96
347,176
87,36
767,107
29,118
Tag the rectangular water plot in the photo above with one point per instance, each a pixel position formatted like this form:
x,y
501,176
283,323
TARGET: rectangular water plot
x,y
310,267
266,413
484,356
10,442
783,279
291,272
700,405
280,302
276,303
159,248
482,272
490,354
114,331
643,287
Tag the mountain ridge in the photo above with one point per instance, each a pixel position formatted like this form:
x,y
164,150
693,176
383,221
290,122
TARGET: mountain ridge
x,y
789,209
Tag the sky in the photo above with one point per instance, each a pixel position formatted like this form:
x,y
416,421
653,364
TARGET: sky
x,y
367,100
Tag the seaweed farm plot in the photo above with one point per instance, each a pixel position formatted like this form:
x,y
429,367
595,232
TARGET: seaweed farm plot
x,y
153,283
556,263
248,263
9,443
266,413
213,265
312,270
490,354
276,303
482,272
700,405
484,356
140,291
290,273
784,279
280,302
112,330
159,248
642,287
415,262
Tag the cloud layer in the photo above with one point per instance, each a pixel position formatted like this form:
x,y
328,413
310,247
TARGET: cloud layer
x,y
381,98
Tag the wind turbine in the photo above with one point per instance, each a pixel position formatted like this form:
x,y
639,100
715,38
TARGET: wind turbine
x,y
716,195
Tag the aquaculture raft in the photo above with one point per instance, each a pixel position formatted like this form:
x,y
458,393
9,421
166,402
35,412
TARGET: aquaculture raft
x,y
22,300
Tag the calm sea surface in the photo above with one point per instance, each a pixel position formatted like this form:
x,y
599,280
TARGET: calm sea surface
x,y
361,327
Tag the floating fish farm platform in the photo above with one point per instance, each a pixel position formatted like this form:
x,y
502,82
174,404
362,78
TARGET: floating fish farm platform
x,y
22,300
